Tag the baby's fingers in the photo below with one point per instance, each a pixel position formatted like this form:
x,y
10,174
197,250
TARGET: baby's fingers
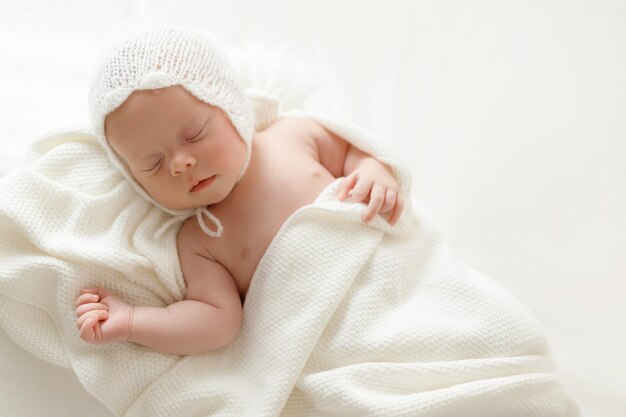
x,y
390,201
83,308
100,292
361,190
377,197
397,210
91,317
90,330
86,298
346,185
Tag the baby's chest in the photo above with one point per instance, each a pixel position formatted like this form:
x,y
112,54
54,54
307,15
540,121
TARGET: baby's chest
x,y
250,227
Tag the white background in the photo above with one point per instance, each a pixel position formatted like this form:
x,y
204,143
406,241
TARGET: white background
x,y
511,113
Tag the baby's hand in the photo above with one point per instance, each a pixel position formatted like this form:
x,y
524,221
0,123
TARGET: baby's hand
x,y
376,187
102,317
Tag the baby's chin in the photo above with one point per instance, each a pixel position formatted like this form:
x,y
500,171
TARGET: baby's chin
x,y
176,204
184,206
191,204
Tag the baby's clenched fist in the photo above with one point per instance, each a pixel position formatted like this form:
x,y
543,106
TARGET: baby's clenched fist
x,y
102,317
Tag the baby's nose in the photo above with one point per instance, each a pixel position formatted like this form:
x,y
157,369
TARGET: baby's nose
x,y
178,166
187,166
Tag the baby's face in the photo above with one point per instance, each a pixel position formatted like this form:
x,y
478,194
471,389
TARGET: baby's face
x,y
170,141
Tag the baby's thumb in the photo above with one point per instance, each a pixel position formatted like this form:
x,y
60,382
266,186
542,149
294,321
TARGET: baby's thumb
x,y
87,332
346,185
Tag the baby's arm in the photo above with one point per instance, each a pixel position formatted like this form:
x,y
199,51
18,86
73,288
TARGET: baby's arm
x,y
184,328
208,318
210,315
366,180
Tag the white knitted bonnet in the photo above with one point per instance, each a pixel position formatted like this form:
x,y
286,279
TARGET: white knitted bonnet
x,y
155,58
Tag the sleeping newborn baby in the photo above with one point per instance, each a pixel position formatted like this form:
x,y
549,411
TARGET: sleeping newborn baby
x,y
168,111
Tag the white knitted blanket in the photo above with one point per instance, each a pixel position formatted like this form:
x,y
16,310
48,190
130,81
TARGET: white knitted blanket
x,y
342,318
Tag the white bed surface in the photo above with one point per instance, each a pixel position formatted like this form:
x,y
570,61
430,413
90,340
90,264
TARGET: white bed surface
x,y
512,116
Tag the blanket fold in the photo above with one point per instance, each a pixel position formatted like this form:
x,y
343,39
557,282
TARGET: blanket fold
x,y
341,317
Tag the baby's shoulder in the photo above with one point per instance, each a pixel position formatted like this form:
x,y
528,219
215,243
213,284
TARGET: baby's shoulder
x,y
191,239
292,138
292,129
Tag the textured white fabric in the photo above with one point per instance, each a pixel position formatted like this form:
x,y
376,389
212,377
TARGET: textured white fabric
x,y
491,105
341,318
159,57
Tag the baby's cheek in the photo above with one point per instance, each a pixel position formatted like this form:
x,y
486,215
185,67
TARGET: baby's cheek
x,y
152,187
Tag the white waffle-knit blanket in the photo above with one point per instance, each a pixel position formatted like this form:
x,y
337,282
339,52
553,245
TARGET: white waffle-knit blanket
x,y
342,318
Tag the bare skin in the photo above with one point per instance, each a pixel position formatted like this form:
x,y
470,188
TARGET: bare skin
x,y
170,141
282,177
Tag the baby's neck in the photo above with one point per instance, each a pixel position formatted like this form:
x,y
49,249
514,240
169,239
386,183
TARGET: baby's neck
x,y
248,181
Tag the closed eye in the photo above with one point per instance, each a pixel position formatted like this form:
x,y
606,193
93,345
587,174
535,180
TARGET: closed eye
x,y
197,137
154,167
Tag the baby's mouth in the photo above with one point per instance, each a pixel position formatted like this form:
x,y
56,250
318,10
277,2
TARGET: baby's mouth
x,y
201,184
